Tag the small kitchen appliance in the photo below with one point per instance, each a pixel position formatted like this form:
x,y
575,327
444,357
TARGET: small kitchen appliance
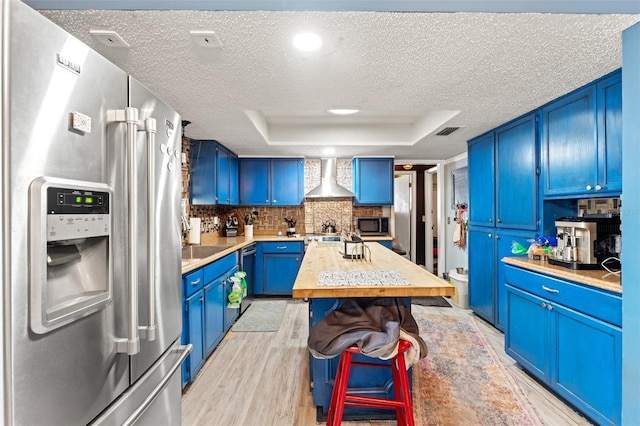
x,y
586,242
373,225
231,227
291,226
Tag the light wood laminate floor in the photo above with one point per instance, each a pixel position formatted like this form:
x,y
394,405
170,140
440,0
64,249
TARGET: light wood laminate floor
x,y
262,378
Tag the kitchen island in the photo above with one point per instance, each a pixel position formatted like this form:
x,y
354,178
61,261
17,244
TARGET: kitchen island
x,y
325,261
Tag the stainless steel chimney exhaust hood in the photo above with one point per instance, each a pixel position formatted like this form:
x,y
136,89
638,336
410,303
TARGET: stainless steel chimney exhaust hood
x,y
329,187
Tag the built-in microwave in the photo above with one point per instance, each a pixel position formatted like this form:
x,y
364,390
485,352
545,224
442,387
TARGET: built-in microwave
x,y
373,225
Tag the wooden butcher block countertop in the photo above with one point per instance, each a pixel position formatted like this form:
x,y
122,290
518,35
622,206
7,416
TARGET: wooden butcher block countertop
x,y
596,278
328,258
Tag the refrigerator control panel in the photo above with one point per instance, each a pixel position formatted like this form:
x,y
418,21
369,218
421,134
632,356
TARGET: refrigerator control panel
x,y
74,213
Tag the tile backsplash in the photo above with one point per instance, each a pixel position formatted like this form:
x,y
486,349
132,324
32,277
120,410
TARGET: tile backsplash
x,y
309,217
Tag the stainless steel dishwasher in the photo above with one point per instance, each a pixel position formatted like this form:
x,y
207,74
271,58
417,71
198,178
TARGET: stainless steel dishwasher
x,y
247,264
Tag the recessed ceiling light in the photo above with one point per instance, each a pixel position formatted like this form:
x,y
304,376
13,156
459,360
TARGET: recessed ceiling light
x,y
307,42
342,111
329,151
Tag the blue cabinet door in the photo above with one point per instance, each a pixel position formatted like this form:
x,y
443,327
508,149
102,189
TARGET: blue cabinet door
x,y
213,315
287,181
481,180
280,271
570,145
588,371
504,241
203,175
373,181
527,332
223,157
194,312
254,182
482,267
234,188
230,314
516,175
610,134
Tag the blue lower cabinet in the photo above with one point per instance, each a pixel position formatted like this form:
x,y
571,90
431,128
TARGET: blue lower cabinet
x,y
193,332
385,243
278,267
213,315
206,317
578,355
230,314
364,381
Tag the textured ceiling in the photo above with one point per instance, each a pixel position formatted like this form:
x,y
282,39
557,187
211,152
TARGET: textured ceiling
x,y
474,70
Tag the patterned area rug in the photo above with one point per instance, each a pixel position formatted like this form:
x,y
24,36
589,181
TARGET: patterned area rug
x,y
263,315
431,301
462,381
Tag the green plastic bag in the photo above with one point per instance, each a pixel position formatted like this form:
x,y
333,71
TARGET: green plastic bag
x,y
517,248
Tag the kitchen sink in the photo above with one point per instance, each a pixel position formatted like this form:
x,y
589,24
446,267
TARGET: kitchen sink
x,y
201,252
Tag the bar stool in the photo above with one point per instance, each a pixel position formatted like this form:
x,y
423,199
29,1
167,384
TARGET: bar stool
x,y
401,403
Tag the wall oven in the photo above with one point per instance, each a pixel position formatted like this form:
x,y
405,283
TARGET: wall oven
x,y
373,225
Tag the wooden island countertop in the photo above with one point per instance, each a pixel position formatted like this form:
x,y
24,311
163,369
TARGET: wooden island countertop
x,y
321,257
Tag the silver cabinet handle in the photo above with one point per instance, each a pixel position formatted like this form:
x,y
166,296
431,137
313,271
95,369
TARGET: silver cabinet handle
x,y
490,220
281,247
149,332
598,187
196,282
131,344
490,235
544,305
550,290
549,307
589,187
275,201
499,220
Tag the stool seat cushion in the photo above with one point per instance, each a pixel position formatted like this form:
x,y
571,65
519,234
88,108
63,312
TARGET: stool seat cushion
x,y
374,325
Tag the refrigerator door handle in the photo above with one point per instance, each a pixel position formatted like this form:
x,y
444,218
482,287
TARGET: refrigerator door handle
x,y
131,344
185,351
149,332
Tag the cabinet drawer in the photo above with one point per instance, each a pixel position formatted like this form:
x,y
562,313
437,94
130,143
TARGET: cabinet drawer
x,y
587,300
219,267
192,282
283,247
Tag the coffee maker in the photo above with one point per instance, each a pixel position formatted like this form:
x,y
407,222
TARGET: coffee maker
x,y
231,227
585,242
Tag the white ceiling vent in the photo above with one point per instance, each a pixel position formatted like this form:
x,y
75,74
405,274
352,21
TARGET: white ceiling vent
x,y
109,38
207,39
447,131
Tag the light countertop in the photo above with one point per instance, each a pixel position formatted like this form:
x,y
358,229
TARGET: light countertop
x,y
233,243
596,278
323,257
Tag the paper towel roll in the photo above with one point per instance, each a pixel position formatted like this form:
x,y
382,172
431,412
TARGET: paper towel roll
x,y
194,232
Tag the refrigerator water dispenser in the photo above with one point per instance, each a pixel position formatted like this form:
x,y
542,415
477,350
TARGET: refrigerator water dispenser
x,y
70,229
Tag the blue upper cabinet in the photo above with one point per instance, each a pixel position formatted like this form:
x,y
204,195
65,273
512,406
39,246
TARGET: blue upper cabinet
x,y
214,174
203,172
582,142
287,181
503,180
271,182
373,181
516,174
481,160
609,93
254,181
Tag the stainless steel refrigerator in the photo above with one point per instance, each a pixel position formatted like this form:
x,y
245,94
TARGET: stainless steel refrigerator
x,y
91,170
